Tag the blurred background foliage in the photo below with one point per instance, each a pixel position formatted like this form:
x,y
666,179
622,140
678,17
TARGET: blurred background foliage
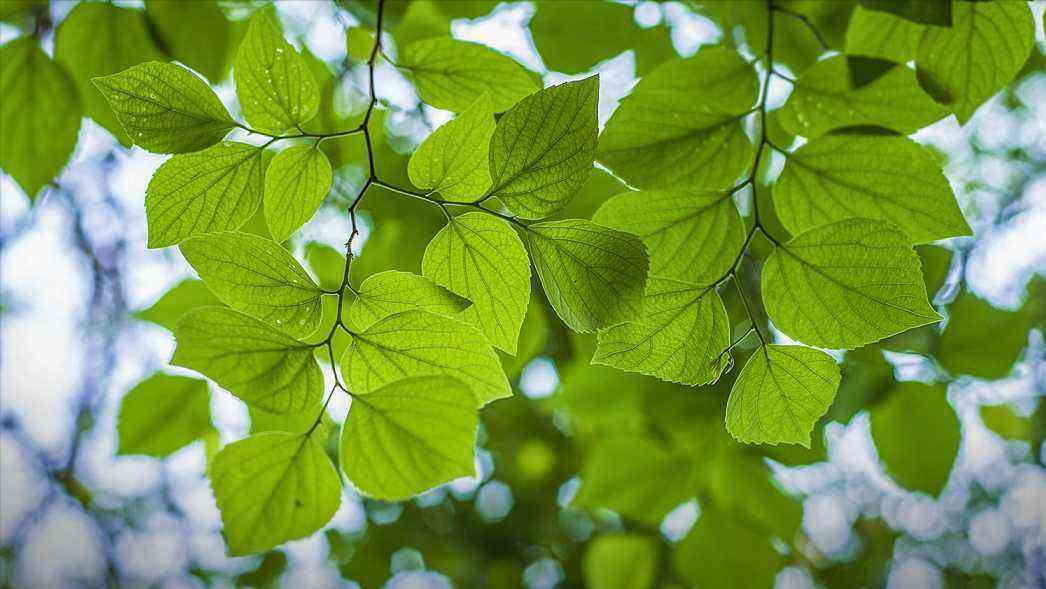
x,y
926,471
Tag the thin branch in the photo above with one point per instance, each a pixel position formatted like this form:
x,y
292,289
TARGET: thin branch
x,y
806,21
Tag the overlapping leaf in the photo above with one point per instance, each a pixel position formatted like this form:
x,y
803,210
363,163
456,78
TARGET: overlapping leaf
x,y
883,35
454,159
390,292
162,414
296,183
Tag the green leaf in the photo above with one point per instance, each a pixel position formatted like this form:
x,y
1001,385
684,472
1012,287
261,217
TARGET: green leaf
x,y
163,413
257,276
408,436
678,337
825,98
917,435
636,477
543,148
295,423
263,366
359,41
40,116
98,39
845,285
217,189
566,47
416,343
883,35
272,488
981,52
935,13
984,341
296,183
780,394
451,74
454,159
273,83
195,33
662,136
176,302
482,259
1002,420
592,276
165,108
691,236
12,11
621,561
390,292
723,552
890,178
326,263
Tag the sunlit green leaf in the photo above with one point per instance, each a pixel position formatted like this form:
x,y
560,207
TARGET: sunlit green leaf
x,y
390,292
883,35
454,159
296,183
163,413
176,302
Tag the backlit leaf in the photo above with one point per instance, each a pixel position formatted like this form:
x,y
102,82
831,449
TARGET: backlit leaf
x,y
938,14
176,302
163,413
455,159
296,183
195,33
883,35
390,292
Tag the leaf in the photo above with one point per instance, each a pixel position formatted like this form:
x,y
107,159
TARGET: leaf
x,y
272,488
257,276
543,148
451,74
981,52
620,561
938,14
780,394
416,343
846,284
825,98
296,183
890,178
359,41
454,159
98,39
636,477
195,33
274,85
408,436
176,302
883,35
917,435
165,108
162,414
691,236
482,259
721,551
295,423
40,115
662,137
390,292
592,276
264,367
678,337
984,341
217,189
1002,420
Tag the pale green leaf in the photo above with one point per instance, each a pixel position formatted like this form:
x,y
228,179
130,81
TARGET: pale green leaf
x,y
275,88
409,436
98,39
257,363
780,394
39,116
917,435
296,183
451,74
825,98
883,35
295,423
454,159
271,488
416,343
176,302
592,276
1002,420
621,561
663,135
678,337
978,55
217,189
482,259
195,33
721,551
165,108
543,148
390,292
839,177
163,413
359,41
690,236
846,284
257,276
